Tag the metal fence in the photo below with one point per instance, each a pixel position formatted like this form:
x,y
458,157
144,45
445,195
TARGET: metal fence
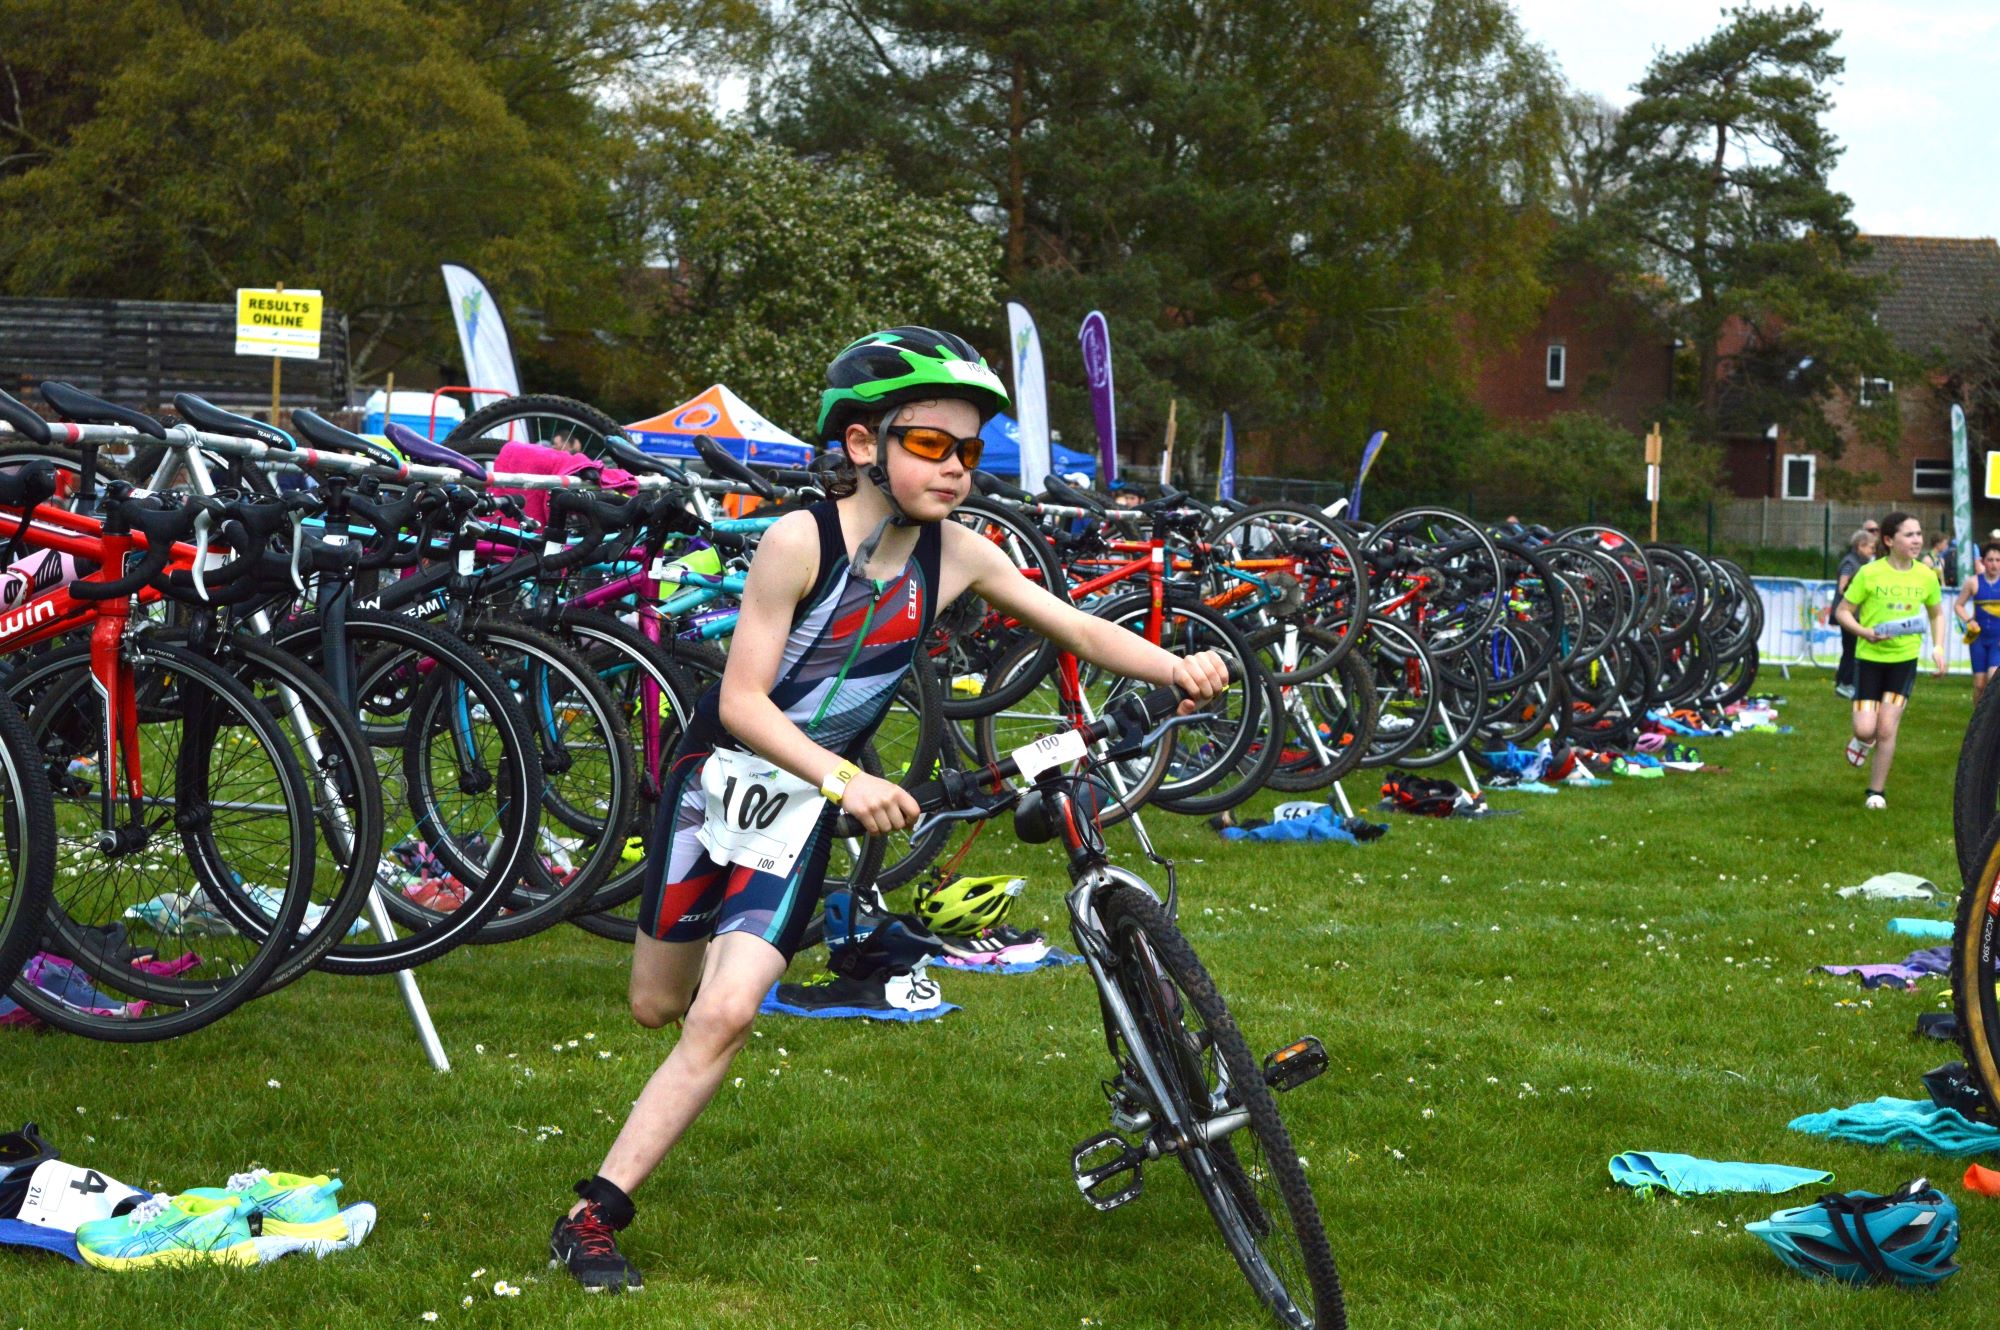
x,y
1822,524
1799,627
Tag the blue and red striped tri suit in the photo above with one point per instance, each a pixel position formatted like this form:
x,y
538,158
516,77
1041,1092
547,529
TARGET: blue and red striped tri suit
x,y
850,645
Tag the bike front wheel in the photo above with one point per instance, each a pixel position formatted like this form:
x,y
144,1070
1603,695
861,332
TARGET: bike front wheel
x,y
1249,1175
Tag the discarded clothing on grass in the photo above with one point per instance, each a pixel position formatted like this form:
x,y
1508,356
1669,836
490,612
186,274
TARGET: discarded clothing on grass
x,y
1684,1175
894,997
1917,965
1925,928
1050,959
1912,1123
1894,887
1517,786
66,983
1323,824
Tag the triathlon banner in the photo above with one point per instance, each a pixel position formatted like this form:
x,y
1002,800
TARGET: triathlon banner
x,y
1031,397
482,333
1961,490
1368,455
1225,474
1095,338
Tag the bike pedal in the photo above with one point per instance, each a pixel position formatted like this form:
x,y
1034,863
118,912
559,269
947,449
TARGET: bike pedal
x,y
1295,1064
1107,1171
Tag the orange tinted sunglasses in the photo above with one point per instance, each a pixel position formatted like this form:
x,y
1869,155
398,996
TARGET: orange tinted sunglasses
x,y
934,444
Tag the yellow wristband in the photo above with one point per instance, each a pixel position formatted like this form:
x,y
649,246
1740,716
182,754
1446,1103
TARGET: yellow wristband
x,y
834,786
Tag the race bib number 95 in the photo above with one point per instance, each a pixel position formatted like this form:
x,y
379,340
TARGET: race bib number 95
x,y
757,814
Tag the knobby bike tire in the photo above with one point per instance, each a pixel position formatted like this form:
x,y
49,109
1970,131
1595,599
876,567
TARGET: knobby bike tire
x,y
1266,1212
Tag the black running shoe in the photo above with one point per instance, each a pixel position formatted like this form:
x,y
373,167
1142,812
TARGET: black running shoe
x,y
587,1247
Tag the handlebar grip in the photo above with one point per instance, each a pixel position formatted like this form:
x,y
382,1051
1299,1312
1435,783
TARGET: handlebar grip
x,y
389,519
161,528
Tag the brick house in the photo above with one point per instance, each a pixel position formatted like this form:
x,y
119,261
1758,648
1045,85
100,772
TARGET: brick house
x,y
1600,346
1939,288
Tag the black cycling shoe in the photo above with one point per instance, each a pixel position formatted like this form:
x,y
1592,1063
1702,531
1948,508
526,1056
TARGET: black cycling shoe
x,y
587,1246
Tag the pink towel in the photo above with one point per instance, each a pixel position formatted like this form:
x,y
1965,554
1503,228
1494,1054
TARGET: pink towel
x,y
534,459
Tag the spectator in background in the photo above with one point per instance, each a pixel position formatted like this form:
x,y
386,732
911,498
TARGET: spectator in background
x,y
1940,560
1860,549
1978,609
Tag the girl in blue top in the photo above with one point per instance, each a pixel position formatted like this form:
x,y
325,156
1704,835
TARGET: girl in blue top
x,y
1979,610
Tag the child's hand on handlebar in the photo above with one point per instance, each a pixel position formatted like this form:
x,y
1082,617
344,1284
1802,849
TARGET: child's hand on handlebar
x,y
1201,676
878,805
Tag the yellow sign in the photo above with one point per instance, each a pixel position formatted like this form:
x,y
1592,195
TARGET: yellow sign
x,y
278,323
1993,475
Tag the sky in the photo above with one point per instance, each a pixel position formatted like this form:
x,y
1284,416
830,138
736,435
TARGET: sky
x,y
1918,108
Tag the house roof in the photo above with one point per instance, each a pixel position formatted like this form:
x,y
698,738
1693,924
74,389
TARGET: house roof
x,y
1940,287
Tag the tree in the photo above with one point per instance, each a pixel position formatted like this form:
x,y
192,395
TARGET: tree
x,y
769,264
176,151
1725,161
1291,212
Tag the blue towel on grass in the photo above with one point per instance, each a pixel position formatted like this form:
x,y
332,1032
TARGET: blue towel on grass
x,y
1685,1175
772,1006
1324,824
1915,1124
1939,929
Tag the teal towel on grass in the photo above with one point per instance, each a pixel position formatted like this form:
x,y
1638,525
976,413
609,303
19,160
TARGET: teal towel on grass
x,y
1685,1175
1915,1123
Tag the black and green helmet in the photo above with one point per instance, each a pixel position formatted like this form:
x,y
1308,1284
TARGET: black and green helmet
x,y
887,369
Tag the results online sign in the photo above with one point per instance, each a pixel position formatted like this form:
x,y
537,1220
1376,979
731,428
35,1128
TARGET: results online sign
x,y
278,323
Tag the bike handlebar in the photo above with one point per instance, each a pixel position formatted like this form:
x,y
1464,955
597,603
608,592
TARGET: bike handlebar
x,y
1135,717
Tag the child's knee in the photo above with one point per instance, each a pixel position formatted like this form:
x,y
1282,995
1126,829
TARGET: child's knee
x,y
657,1010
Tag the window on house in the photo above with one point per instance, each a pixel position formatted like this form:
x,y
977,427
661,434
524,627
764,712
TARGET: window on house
x,y
1797,476
1558,364
1930,476
1874,392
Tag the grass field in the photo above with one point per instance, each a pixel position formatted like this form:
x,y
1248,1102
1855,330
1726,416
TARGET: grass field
x,y
1507,1003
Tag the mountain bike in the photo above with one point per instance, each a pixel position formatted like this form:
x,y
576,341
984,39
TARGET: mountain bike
x,y
1185,1084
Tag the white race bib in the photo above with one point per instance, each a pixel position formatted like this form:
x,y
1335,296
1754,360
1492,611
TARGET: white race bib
x,y
1051,750
759,815
63,1196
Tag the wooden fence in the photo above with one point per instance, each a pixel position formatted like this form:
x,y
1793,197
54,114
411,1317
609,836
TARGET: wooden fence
x,y
140,353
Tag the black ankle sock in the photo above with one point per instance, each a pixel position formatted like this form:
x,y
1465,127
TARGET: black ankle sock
x,y
609,1198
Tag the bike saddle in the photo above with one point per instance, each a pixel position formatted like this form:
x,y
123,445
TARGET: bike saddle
x,y
77,405
25,421
206,416
320,432
989,484
629,455
723,465
429,452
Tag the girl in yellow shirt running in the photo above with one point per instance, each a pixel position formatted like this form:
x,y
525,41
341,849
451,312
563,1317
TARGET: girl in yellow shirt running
x,y
1886,606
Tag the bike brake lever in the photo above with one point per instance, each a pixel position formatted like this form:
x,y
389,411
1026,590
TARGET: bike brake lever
x,y
977,813
1126,746
202,525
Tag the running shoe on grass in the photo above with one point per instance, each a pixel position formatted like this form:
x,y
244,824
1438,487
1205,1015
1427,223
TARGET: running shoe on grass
x,y
171,1230
287,1205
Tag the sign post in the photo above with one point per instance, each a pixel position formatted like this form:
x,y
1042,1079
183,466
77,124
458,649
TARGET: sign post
x,y
1653,479
281,324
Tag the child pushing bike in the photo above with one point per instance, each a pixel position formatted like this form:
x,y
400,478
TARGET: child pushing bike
x,y
837,600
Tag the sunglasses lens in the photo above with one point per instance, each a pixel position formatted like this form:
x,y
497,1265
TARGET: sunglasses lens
x,y
933,445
